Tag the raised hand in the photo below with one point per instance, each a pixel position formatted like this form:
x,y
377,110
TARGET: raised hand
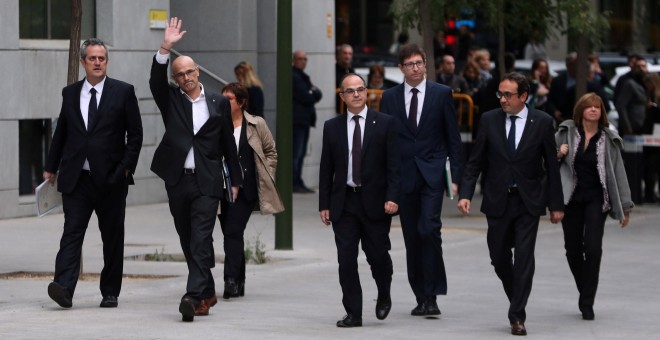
x,y
173,32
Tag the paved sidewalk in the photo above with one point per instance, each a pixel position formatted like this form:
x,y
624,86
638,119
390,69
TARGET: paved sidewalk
x,y
297,294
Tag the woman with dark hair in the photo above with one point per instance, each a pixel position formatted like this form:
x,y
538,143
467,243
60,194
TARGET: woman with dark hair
x,y
595,184
247,77
258,160
540,80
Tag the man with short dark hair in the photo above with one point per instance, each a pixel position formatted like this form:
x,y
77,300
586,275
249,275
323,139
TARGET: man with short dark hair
x,y
516,147
446,75
428,134
93,155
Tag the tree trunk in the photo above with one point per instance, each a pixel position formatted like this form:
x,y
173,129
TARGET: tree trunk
x,y
427,35
74,43
502,48
582,67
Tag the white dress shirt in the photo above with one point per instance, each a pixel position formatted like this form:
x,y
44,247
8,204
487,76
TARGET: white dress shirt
x,y
85,97
520,124
420,98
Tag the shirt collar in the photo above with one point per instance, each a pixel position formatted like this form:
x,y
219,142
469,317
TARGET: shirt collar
x,y
522,114
201,94
363,114
421,86
98,87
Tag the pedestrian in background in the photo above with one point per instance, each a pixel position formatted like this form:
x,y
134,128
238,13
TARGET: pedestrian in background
x,y
305,96
258,160
247,77
594,183
95,148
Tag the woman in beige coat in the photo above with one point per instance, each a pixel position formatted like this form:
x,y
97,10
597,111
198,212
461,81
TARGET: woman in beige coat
x,y
258,159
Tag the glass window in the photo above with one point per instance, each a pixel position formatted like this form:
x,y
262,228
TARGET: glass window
x,y
50,19
33,145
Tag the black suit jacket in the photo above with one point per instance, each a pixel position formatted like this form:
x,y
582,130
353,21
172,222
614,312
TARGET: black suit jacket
x,y
379,159
213,140
534,167
112,145
436,139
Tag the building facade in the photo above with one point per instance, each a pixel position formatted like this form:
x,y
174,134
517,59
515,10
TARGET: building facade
x,y
34,47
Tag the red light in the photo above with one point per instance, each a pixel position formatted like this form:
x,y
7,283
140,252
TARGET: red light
x,y
451,24
451,40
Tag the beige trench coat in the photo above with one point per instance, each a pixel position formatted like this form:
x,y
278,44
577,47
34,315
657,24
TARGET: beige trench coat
x,y
265,158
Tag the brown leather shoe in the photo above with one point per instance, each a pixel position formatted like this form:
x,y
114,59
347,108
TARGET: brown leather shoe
x,y
518,328
211,301
203,309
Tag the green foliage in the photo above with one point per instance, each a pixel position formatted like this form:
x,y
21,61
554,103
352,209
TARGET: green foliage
x,y
405,14
160,257
255,251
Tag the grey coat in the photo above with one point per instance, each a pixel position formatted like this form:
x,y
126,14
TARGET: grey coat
x,y
611,171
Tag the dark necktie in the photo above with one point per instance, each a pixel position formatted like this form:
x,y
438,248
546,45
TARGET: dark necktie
x,y
511,139
92,110
412,113
356,150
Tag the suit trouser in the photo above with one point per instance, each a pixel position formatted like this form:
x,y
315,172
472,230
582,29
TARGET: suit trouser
x,y
516,229
233,220
421,225
584,224
194,219
352,228
110,208
299,142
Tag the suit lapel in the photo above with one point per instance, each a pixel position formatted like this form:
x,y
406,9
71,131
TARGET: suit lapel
x,y
501,126
400,108
528,130
343,139
426,106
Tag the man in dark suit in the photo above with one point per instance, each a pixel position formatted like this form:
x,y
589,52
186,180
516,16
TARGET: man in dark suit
x,y
305,96
358,193
519,161
198,133
95,147
428,134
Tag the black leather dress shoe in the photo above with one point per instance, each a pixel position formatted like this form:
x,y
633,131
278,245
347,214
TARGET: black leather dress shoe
x,y
420,310
383,307
518,328
431,308
60,294
587,313
349,321
187,309
109,302
231,289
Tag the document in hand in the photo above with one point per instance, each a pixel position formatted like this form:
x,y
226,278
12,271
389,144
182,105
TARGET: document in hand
x,y
48,198
450,192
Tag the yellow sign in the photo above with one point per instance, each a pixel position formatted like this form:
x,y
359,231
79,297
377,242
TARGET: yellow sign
x,y
157,18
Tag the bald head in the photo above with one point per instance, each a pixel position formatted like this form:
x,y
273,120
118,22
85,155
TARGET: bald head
x,y
299,60
186,73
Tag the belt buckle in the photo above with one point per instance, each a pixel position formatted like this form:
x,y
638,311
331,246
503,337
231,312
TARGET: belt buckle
x,y
189,171
512,190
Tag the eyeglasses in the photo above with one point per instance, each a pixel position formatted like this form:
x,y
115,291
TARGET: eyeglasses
x,y
506,95
185,73
351,92
410,65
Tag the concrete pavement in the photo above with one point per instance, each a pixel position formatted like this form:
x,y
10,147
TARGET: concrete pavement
x,y
297,295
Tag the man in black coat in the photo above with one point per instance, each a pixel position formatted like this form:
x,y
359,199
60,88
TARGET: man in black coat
x,y
516,149
198,134
358,193
305,96
95,147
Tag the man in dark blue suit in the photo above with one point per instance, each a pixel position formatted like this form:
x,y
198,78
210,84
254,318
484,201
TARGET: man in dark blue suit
x,y
516,151
428,134
358,193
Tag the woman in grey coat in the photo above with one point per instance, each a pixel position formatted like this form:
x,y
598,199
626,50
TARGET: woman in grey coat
x,y
595,184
